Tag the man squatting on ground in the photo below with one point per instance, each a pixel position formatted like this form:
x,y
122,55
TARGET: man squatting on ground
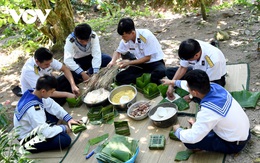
x,y
82,53
35,109
221,124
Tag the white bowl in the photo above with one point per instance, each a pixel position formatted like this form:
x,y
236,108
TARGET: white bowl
x,y
134,106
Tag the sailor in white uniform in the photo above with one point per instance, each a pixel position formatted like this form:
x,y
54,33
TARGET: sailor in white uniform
x,y
36,109
43,63
221,124
196,54
141,52
82,52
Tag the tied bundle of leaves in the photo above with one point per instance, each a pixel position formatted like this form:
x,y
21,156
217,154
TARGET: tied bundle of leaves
x,y
76,128
103,79
143,80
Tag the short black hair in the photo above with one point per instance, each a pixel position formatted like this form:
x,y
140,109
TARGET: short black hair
x,y
198,80
46,82
43,54
83,31
188,49
125,25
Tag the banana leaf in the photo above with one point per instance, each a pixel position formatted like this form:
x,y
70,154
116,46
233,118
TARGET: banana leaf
x,y
181,92
118,149
74,102
143,80
76,128
183,155
150,89
163,89
182,104
172,136
94,141
246,98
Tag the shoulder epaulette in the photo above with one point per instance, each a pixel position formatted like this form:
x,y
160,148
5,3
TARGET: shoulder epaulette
x,y
37,107
211,64
72,39
36,70
92,35
142,38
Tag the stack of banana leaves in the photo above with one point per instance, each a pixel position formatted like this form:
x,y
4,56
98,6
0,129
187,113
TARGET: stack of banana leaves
x,y
76,128
103,79
100,114
118,150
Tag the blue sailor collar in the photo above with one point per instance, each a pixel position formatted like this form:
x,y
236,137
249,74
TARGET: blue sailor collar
x,y
27,101
218,100
81,47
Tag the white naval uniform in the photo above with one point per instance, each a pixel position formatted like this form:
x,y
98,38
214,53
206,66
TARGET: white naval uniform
x,y
145,44
229,122
31,73
32,115
216,56
71,50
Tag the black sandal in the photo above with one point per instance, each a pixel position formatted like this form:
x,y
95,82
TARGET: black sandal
x,y
17,91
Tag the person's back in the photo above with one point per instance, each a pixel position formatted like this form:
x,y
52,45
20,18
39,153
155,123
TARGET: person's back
x,y
221,124
231,120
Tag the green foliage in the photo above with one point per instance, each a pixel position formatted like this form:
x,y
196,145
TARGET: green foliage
x,y
8,148
26,35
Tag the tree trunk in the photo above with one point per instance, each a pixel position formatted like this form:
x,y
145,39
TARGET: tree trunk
x,y
59,23
203,10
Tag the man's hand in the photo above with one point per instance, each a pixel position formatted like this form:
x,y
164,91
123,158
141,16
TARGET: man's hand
x,y
68,130
75,90
124,63
167,82
85,77
72,121
191,121
169,93
111,63
187,98
175,127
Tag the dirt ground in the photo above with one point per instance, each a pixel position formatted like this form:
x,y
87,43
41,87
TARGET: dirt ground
x,y
170,31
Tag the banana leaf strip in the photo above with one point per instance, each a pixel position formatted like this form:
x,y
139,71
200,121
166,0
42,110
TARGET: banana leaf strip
x,y
94,141
246,98
183,155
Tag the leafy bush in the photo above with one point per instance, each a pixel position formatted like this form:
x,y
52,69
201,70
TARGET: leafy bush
x,y
8,148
